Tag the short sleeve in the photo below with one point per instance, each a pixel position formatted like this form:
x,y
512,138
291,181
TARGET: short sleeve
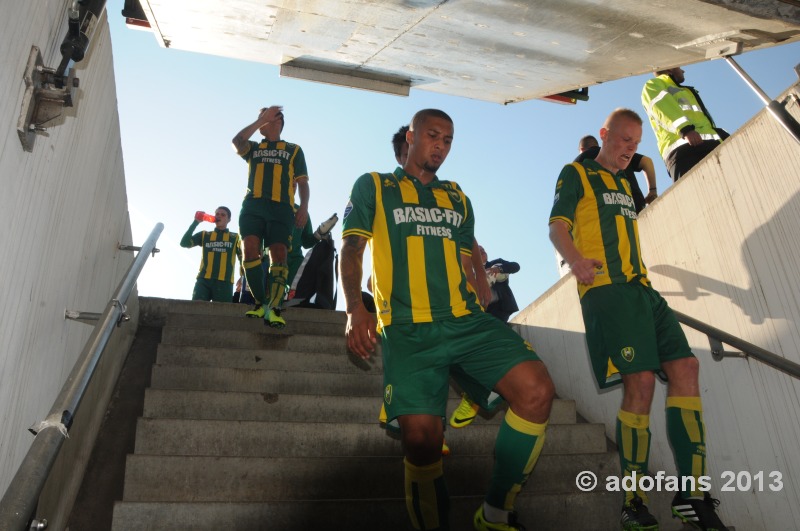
x,y
466,233
568,192
300,169
248,153
360,211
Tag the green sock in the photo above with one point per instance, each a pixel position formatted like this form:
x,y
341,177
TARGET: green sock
x,y
255,279
427,500
687,435
277,284
519,443
633,444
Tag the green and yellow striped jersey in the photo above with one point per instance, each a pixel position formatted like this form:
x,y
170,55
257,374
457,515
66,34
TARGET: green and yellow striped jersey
x,y
599,211
274,168
220,250
417,233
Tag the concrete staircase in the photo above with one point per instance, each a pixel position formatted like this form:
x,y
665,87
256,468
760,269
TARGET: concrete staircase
x,y
248,428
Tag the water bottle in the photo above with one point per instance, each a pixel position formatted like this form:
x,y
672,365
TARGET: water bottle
x,y
206,217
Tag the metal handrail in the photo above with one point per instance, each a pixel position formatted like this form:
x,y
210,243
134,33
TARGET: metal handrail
x,y
777,110
21,498
716,337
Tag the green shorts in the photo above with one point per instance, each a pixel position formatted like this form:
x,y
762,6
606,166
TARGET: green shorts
x,y
212,290
271,221
477,349
630,328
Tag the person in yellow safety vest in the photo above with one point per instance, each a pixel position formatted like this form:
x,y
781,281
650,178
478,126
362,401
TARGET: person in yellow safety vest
x,y
684,129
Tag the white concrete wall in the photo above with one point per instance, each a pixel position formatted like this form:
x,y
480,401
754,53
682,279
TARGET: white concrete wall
x,y
64,210
723,246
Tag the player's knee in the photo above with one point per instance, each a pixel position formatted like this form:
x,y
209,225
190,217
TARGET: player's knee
x,y
541,394
421,442
639,387
534,398
685,369
251,248
640,381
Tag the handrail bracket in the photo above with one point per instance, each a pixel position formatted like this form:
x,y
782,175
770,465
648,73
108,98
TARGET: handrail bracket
x,y
718,352
124,316
123,247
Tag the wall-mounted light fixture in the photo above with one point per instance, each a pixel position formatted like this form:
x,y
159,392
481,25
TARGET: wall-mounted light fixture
x,y
49,90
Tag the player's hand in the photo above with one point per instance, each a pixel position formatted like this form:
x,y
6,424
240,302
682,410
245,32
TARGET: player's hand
x,y
651,196
484,294
360,332
584,270
301,216
198,216
270,114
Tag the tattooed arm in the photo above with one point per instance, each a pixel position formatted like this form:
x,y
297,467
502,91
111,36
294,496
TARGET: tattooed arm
x,y
360,331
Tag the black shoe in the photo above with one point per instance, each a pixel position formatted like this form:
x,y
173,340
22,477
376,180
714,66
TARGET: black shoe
x,y
700,514
636,517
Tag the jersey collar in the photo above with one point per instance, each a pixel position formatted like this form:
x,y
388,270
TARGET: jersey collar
x,y
401,174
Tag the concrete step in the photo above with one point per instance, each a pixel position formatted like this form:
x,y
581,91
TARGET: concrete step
x,y
216,405
241,323
279,360
263,338
272,407
297,439
154,311
269,383
233,438
238,479
265,381
596,511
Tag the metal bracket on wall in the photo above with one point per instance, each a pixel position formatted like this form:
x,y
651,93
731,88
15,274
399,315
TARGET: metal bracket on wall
x,y
123,247
91,318
718,352
46,95
82,317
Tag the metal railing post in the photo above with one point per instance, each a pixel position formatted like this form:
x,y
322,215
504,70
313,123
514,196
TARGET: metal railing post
x,y
18,504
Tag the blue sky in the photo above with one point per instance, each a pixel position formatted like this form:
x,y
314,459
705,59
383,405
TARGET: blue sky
x,y
180,110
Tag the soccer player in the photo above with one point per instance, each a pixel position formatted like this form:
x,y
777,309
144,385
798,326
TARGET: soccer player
x,y
221,247
431,324
472,262
631,332
276,169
